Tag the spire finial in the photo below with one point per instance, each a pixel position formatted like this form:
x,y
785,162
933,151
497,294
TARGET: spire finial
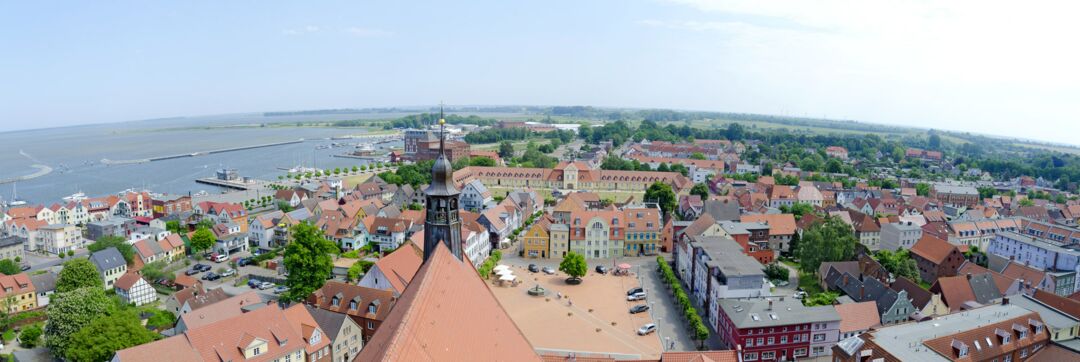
x,y
442,128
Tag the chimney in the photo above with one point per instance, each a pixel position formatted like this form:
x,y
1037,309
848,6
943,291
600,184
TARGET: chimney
x,y
968,276
770,304
1005,301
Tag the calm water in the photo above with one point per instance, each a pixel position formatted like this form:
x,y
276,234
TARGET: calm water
x,y
75,154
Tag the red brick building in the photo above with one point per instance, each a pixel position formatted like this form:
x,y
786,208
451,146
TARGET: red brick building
x,y
368,307
936,258
429,150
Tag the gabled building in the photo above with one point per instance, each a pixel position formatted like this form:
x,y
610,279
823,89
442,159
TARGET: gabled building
x,y
345,335
110,265
892,306
778,329
367,307
936,258
133,289
394,271
18,293
476,197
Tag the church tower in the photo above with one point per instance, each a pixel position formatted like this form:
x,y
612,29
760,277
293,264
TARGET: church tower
x,y
443,224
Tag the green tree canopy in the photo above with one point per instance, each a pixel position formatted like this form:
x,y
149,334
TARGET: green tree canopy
x,y
506,149
76,274
70,311
9,267
922,189
481,161
202,239
828,240
308,260
899,263
573,264
117,242
697,156
99,340
359,268
30,336
700,190
661,193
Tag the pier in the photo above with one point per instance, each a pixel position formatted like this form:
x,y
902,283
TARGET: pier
x,y
42,171
194,154
235,185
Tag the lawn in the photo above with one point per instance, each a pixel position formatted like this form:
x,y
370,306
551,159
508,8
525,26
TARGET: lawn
x,y
809,283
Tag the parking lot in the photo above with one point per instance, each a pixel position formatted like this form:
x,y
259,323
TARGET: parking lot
x,y
229,283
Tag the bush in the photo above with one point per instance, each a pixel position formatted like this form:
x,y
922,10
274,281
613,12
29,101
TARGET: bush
x,y
30,336
775,271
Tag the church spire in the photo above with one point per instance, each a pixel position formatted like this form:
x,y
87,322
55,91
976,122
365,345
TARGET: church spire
x,y
442,130
443,224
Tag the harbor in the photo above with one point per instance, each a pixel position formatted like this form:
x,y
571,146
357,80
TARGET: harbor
x,y
107,161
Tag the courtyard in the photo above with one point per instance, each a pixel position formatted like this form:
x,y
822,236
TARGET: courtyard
x,y
592,317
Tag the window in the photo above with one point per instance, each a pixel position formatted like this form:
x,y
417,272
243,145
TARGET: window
x,y
799,352
760,341
768,355
255,351
1008,358
1023,353
371,308
752,356
749,342
370,325
819,337
783,339
772,340
819,349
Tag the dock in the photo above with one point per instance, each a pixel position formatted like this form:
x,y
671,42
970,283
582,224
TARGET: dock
x,y
42,171
194,154
228,184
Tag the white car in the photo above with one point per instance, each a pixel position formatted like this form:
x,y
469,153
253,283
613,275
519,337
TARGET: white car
x,y
646,329
228,272
636,296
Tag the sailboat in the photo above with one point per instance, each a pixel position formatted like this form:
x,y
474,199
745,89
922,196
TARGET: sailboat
x,y
15,201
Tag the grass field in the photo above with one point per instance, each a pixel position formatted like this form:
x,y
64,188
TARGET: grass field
x,y
519,146
619,197
1062,149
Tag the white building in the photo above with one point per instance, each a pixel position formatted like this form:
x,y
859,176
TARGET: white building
x,y
133,289
899,235
476,197
59,238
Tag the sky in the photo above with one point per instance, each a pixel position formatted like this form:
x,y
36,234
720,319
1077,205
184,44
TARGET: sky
x,y
993,67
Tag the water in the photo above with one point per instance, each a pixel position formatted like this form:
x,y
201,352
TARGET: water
x,y
75,154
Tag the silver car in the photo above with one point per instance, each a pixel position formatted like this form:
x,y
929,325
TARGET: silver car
x,y
636,296
646,329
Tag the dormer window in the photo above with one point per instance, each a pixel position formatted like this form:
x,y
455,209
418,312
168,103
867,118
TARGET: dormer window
x,y
335,301
961,348
371,308
1003,336
352,305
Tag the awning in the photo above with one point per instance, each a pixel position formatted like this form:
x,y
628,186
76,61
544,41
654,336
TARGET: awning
x,y
624,266
508,277
504,272
501,267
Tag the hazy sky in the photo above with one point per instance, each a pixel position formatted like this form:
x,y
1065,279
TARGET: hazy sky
x,y
986,66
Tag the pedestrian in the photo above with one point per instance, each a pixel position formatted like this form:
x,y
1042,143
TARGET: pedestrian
x,y
672,345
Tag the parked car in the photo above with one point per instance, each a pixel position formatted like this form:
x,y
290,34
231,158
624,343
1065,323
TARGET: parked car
x,y
243,261
211,276
799,295
646,329
534,268
549,270
192,271
228,272
639,308
636,296
217,258
280,289
601,269
266,285
253,283
633,291
201,267
24,267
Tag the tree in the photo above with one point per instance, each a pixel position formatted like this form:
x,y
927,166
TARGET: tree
x,y
834,166
308,261
700,190
662,194
481,161
824,298
697,156
573,264
99,340
934,142
899,263
30,336
76,274
9,267
922,189
829,240
735,131
776,271
173,227
1026,202
202,239
117,242
506,149
358,268
156,270
70,311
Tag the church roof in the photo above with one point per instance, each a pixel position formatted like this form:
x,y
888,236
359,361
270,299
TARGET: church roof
x,y
448,314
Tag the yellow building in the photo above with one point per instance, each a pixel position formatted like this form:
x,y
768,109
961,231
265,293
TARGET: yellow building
x,y
559,242
17,293
535,243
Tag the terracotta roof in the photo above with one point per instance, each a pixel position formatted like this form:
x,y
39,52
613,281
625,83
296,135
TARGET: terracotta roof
x,y
127,281
448,314
779,224
224,340
324,299
306,325
185,281
858,316
1028,274
197,298
933,249
19,284
218,311
704,356
1065,305
955,291
172,349
400,266
944,345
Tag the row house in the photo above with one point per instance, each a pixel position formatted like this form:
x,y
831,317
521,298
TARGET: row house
x,y
140,204
394,271
165,205
753,237
892,306
367,307
264,334
224,212
994,333
899,235
980,232
229,239
955,195
721,271
18,293
1038,253
777,329
476,197
570,176
343,331
166,250
781,195
116,226
781,228
536,240
476,238
699,171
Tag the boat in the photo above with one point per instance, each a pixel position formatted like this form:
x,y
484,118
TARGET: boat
x,y
15,201
201,193
78,196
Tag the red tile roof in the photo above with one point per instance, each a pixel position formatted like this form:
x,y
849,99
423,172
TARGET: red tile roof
x,y
448,314
933,249
858,316
400,266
